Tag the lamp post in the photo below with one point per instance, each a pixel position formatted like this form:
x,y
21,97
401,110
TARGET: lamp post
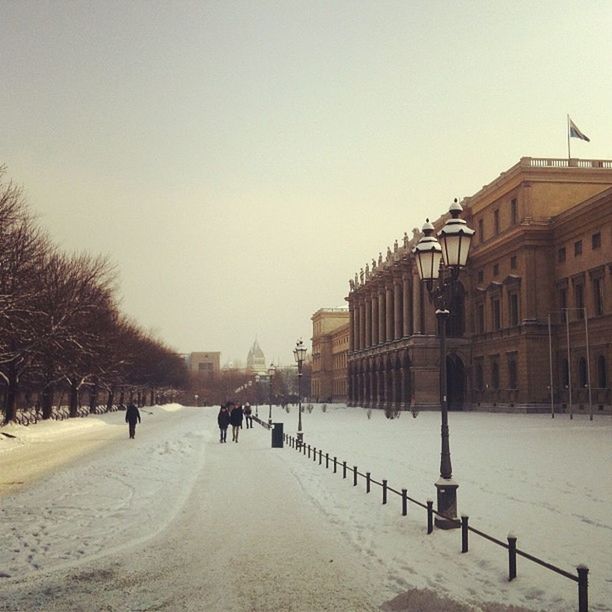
x,y
452,250
299,352
257,395
271,371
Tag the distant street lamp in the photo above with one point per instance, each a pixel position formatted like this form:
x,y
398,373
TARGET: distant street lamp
x,y
257,395
195,397
453,250
271,371
299,352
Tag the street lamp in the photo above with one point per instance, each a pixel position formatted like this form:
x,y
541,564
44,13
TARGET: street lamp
x,y
441,262
257,395
271,371
299,352
195,397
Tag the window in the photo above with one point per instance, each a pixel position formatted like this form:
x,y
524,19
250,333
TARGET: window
x,y
496,313
597,296
480,324
577,248
563,298
596,240
602,378
513,211
480,276
579,297
565,373
495,374
496,221
561,255
513,307
479,382
481,229
513,262
512,371
583,373
496,269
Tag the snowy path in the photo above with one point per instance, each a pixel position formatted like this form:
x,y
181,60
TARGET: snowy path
x,y
224,549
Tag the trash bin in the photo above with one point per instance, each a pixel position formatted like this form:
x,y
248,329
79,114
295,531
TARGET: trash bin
x,y
277,435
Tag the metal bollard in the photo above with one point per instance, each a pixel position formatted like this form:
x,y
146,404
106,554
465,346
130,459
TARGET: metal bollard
x,y
320,456
308,450
384,483
464,533
335,465
344,469
429,516
404,502
354,475
511,557
583,588
367,482
327,461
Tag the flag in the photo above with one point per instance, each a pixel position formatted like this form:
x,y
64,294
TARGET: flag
x,y
574,132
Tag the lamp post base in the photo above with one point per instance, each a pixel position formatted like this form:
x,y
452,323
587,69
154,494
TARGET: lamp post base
x,y
447,504
300,438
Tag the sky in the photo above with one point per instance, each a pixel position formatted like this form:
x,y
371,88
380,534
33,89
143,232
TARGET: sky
x,y
239,161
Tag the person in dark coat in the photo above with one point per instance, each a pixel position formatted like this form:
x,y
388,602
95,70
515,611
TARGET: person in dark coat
x,y
224,420
248,415
132,416
236,421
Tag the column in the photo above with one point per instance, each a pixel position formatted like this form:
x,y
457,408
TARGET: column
x,y
406,305
381,316
368,322
374,321
351,326
397,309
389,324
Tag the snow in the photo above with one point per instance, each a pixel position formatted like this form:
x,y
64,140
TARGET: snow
x,y
160,521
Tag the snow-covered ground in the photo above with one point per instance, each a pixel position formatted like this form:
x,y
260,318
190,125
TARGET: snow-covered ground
x,y
107,522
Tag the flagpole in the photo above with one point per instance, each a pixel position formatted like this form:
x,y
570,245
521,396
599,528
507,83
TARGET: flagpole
x,y
568,140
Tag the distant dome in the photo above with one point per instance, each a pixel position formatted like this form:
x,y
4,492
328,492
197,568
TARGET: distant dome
x,y
256,360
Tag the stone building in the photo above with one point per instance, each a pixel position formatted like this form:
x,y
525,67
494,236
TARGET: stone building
x,y
330,343
204,363
542,250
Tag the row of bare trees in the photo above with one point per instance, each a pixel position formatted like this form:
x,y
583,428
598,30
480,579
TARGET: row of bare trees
x,y
61,332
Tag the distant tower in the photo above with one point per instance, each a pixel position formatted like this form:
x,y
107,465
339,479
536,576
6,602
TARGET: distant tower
x,y
256,360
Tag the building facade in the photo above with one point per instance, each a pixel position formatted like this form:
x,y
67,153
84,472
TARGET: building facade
x,y
541,253
256,360
204,363
330,344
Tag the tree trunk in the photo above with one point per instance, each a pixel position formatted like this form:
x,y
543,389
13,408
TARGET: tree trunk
x,y
109,401
47,401
74,399
152,397
10,399
93,398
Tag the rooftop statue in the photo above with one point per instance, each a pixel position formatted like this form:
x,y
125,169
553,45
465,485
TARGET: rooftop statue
x,y
389,254
395,246
380,260
406,240
361,275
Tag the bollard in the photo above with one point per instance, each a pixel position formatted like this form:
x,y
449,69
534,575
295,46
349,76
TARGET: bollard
x,y
367,482
429,516
384,491
583,588
354,475
464,533
511,557
314,455
308,451
320,456
327,461
404,502
335,465
344,469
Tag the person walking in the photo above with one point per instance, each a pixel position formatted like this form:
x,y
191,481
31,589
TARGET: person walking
x,y
248,415
236,416
224,420
132,416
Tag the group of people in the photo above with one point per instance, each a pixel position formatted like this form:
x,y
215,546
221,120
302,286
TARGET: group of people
x,y
233,414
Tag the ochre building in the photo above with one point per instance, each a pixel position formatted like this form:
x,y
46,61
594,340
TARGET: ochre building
x,y
330,344
539,274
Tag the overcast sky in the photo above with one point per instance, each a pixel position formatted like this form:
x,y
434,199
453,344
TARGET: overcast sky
x,y
240,161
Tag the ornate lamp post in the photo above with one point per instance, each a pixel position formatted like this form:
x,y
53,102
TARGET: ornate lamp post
x,y
257,395
299,352
271,371
453,250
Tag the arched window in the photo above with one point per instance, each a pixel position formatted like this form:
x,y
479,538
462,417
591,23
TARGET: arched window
x,y
582,372
564,373
479,377
495,375
602,374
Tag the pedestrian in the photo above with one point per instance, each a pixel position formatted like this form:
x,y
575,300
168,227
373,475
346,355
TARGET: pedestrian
x,y
248,415
132,416
224,420
236,420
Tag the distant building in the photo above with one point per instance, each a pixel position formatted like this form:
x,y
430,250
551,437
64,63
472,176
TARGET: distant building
x,y
256,360
330,344
204,363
